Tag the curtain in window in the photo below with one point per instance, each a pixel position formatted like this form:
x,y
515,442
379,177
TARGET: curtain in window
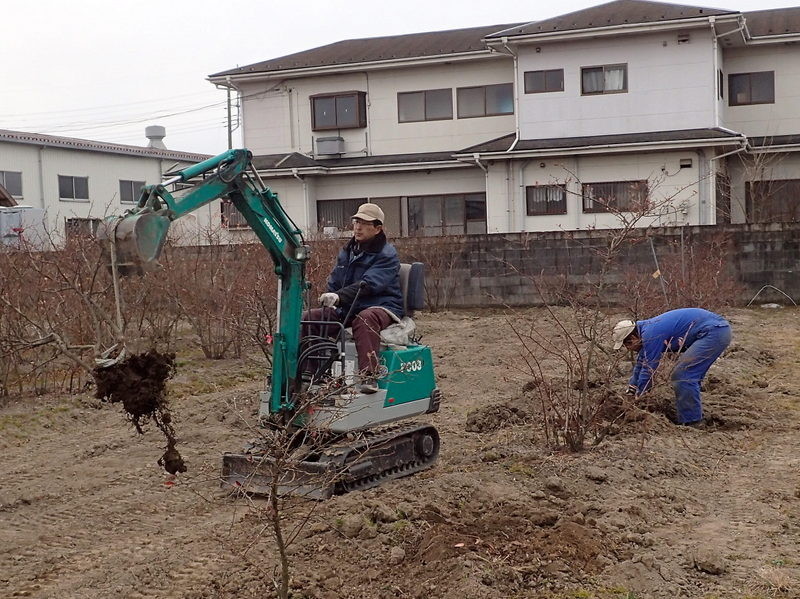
x,y
593,81
615,79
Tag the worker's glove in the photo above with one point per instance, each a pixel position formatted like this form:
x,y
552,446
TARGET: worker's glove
x,y
631,390
328,300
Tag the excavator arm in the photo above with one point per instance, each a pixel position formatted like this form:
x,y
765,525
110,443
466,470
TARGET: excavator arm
x,y
138,236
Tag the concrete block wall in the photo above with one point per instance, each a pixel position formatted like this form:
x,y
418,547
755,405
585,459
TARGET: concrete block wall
x,y
497,269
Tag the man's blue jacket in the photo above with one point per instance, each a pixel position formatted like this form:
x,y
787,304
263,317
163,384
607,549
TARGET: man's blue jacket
x,y
376,263
672,331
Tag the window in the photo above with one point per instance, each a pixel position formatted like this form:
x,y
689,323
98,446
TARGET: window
x,y
73,188
339,111
129,191
486,100
428,105
607,79
230,217
546,199
454,214
618,196
773,201
12,181
537,82
80,227
337,213
751,88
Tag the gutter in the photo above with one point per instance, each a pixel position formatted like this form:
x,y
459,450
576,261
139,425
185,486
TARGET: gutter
x,y
615,29
630,147
745,145
354,66
762,40
775,149
374,168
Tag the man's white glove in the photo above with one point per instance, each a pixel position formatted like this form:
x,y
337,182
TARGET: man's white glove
x,y
328,300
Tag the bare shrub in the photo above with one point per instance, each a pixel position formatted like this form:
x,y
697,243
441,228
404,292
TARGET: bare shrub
x,y
693,274
276,474
320,263
440,259
209,284
58,316
575,376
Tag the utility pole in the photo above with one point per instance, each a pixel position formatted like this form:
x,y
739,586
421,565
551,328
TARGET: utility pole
x,y
230,124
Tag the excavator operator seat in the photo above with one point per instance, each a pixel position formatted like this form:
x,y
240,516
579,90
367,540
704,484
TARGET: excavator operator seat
x,y
412,286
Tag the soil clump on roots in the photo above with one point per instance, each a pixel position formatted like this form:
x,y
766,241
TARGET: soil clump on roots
x,y
140,384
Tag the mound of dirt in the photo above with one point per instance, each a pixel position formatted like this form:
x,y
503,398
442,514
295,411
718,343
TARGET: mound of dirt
x,y
494,417
140,384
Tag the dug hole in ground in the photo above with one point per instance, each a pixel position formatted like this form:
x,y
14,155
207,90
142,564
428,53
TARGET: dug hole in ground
x,y
654,510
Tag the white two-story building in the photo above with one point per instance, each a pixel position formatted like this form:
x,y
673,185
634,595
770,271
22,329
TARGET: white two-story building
x,y
567,123
76,182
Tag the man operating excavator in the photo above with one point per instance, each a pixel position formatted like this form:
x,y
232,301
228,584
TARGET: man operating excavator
x,y
363,291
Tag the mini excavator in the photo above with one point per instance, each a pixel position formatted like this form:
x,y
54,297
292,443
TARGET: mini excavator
x,y
359,440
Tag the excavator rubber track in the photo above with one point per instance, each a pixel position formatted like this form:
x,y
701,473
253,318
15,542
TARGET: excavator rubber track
x,y
374,457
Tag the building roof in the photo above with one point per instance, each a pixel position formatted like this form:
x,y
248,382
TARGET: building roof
x,y
503,144
619,12
433,44
278,163
775,140
73,143
774,21
294,160
394,47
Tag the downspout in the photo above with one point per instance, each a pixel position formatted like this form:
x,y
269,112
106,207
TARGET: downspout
x,y
477,158
715,47
715,61
705,215
306,214
41,177
515,91
522,195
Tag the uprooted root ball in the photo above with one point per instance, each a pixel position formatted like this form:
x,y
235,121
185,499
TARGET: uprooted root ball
x,y
140,384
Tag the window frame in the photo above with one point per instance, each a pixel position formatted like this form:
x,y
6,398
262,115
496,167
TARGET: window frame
x,y
424,93
229,217
485,88
562,202
74,192
604,92
732,101
4,181
757,210
605,208
361,110
71,223
465,197
134,189
347,206
544,73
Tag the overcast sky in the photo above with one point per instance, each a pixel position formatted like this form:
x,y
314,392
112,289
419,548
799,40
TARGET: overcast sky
x,y
105,69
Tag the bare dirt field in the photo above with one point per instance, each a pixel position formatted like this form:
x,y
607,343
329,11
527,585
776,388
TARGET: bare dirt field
x,y
653,511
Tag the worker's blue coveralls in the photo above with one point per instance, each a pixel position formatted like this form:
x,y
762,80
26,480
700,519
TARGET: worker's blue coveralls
x,y
699,335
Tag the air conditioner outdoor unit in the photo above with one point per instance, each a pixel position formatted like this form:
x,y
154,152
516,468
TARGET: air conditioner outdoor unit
x,y
330,145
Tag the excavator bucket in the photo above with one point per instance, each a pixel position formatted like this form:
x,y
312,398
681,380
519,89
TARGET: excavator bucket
x,y
137,240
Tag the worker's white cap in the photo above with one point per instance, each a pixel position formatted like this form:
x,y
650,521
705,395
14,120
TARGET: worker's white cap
x,y
621,330
369,212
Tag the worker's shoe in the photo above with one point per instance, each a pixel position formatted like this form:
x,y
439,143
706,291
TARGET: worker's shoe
x,y
369,385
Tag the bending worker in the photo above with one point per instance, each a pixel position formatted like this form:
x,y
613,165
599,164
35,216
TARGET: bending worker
x,y
699,335
367,272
